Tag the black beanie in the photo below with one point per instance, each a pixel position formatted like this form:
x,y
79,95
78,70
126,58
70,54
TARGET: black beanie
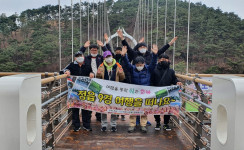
x,y
163,56
118,48
142,44
139,59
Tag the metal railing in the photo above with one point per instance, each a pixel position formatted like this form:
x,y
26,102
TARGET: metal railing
x,y
56,118
199,122
16,73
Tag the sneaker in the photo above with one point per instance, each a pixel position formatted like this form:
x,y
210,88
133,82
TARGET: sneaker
x,y
103,129
131,129
76,129
166,127
158,127
122,117
143,129
113,129
87,129
149,123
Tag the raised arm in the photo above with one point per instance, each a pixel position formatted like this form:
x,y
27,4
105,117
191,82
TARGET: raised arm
x,y
130,51
165,47
153,63
128,65
107,44
99,43
86,45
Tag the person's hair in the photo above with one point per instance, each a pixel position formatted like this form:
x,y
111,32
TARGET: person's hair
x,y
118,48
163,56
139,59
93,46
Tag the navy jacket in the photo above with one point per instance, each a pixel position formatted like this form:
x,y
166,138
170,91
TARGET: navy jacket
x,y
76,70
141,77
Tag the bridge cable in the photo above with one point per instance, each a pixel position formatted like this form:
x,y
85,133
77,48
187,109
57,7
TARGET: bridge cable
x,y
80,24
59,36
97,19
93,21
144,23
188,37
165,22
88,23
157,24
147,19
152,23
72,30
174,36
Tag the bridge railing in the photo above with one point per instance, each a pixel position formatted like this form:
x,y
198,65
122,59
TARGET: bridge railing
x,y
195,113
56,118
45,74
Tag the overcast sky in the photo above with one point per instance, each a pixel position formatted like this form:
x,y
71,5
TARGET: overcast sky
x,y
11,6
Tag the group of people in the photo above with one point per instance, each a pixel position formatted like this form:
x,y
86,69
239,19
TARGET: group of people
x,y
137,65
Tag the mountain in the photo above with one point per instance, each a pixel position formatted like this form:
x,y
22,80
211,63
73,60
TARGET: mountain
x,y
29,41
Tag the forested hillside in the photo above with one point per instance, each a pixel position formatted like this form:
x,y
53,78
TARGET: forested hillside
x,y
29,41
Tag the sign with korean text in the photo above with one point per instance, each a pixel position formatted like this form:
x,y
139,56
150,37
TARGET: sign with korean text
x,y
120,98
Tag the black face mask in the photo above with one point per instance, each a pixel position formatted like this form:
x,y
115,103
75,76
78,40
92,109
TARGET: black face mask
x,y
163,65
117,56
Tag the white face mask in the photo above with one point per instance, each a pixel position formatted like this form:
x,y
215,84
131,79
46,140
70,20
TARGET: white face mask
x,y
139,68
109,60
143,50
93,55
80,59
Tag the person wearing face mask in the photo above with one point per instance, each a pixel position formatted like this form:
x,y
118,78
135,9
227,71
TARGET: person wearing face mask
x,y
163,75
113,71
141,49
118,58
79,68
140,75
94,59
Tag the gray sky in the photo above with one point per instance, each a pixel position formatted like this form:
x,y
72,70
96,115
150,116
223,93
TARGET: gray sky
x,y
11,6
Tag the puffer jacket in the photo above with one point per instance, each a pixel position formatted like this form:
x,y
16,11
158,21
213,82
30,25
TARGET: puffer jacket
x,y
141,77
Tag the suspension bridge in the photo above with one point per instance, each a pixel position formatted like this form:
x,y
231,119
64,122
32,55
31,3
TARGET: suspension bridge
x,y
41,119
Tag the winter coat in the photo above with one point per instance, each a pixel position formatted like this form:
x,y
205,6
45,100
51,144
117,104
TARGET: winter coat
x,y
77,70
133,53
141,77
99,58
115,74
159,79
122,63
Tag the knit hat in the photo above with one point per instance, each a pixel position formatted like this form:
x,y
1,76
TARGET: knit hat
x,y
139,59
118,48
163,56
142,44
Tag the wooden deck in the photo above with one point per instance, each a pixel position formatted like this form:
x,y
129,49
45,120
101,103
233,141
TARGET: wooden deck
x,y
122,140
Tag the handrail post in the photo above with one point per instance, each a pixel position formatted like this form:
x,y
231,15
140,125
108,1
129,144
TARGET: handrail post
x,y
200,115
